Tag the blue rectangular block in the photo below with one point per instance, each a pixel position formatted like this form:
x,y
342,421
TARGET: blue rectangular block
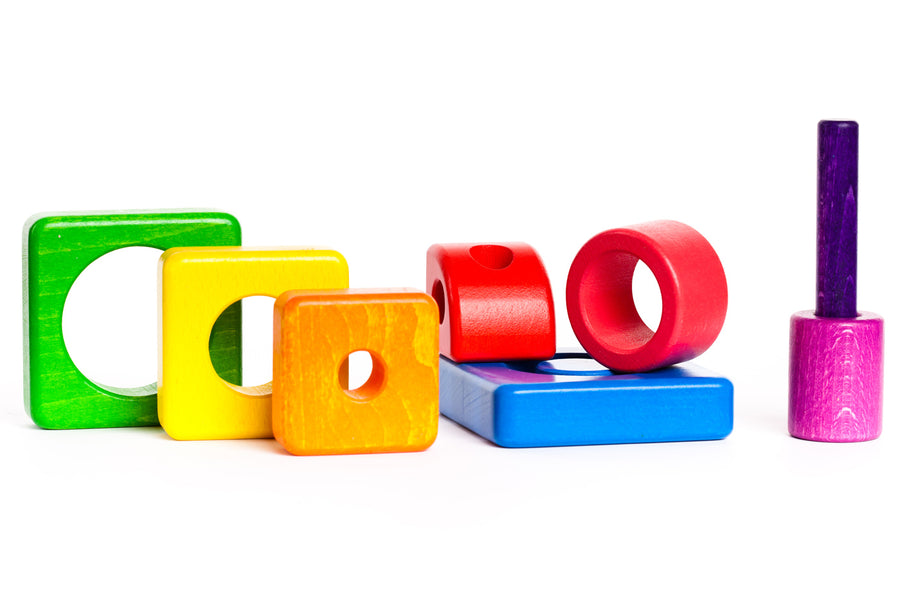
x,y
573,400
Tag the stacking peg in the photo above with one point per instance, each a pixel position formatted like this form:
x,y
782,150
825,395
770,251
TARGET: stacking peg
x,y
836,353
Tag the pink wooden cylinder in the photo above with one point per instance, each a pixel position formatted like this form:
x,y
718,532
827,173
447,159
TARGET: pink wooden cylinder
x,y
836,374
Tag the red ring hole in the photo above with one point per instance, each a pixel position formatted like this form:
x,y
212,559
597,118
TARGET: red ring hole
x,y
608,299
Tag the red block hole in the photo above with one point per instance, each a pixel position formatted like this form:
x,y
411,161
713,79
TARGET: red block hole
x,y
495,257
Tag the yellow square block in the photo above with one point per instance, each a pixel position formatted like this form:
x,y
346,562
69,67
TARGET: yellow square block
x,y
397,409
195,286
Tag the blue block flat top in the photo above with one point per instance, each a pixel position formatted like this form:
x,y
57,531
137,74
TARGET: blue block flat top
x,y
573,400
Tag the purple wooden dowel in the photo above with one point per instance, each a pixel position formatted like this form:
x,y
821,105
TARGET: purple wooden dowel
x,y
836,258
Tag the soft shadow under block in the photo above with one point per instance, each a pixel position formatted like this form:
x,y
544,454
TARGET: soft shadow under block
x,y
540,404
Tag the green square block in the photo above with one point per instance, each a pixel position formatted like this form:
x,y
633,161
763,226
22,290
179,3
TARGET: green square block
x,y
56,248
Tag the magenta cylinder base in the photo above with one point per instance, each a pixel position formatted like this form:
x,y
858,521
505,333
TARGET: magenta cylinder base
x,y
836,377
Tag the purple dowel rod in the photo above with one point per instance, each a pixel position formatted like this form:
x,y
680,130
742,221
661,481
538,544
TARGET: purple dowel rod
x,y
836,239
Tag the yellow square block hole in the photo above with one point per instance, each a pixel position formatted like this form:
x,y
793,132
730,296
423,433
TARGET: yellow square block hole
x,y
196,286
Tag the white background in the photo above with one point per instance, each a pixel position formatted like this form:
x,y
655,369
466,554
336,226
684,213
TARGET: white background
x,y
380,127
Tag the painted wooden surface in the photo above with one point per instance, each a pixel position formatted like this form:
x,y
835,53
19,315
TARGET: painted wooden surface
x,y
836,219
56,249
539,404
836,377
395,410
836,355
495,301
601,306
196,285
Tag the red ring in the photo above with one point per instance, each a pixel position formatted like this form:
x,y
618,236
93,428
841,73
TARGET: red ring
x,y
601,305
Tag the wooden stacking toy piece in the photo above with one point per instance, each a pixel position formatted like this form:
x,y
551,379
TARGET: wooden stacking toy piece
x,y
836,354
494,301
601,305
56,249
573,400
396,409
195,286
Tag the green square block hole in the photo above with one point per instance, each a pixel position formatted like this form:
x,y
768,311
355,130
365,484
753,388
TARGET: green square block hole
x,y
56,248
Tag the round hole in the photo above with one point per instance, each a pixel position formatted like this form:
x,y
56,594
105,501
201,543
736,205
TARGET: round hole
x,y
109,321
254,314
492,256
437,292
580,365
563,364
361,375
607,298
647,296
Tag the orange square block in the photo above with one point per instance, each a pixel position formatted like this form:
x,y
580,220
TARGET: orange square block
x,y
313,412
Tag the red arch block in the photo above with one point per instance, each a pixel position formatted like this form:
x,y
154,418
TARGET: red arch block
x,y
494,300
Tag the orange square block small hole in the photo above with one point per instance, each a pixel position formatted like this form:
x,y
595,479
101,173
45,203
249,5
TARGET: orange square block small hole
x,y
396,409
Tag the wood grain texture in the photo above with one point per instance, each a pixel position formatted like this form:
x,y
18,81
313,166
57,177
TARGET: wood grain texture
x,y
836,219
395,410
836,377
836,355
495,301
56,249
196,285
